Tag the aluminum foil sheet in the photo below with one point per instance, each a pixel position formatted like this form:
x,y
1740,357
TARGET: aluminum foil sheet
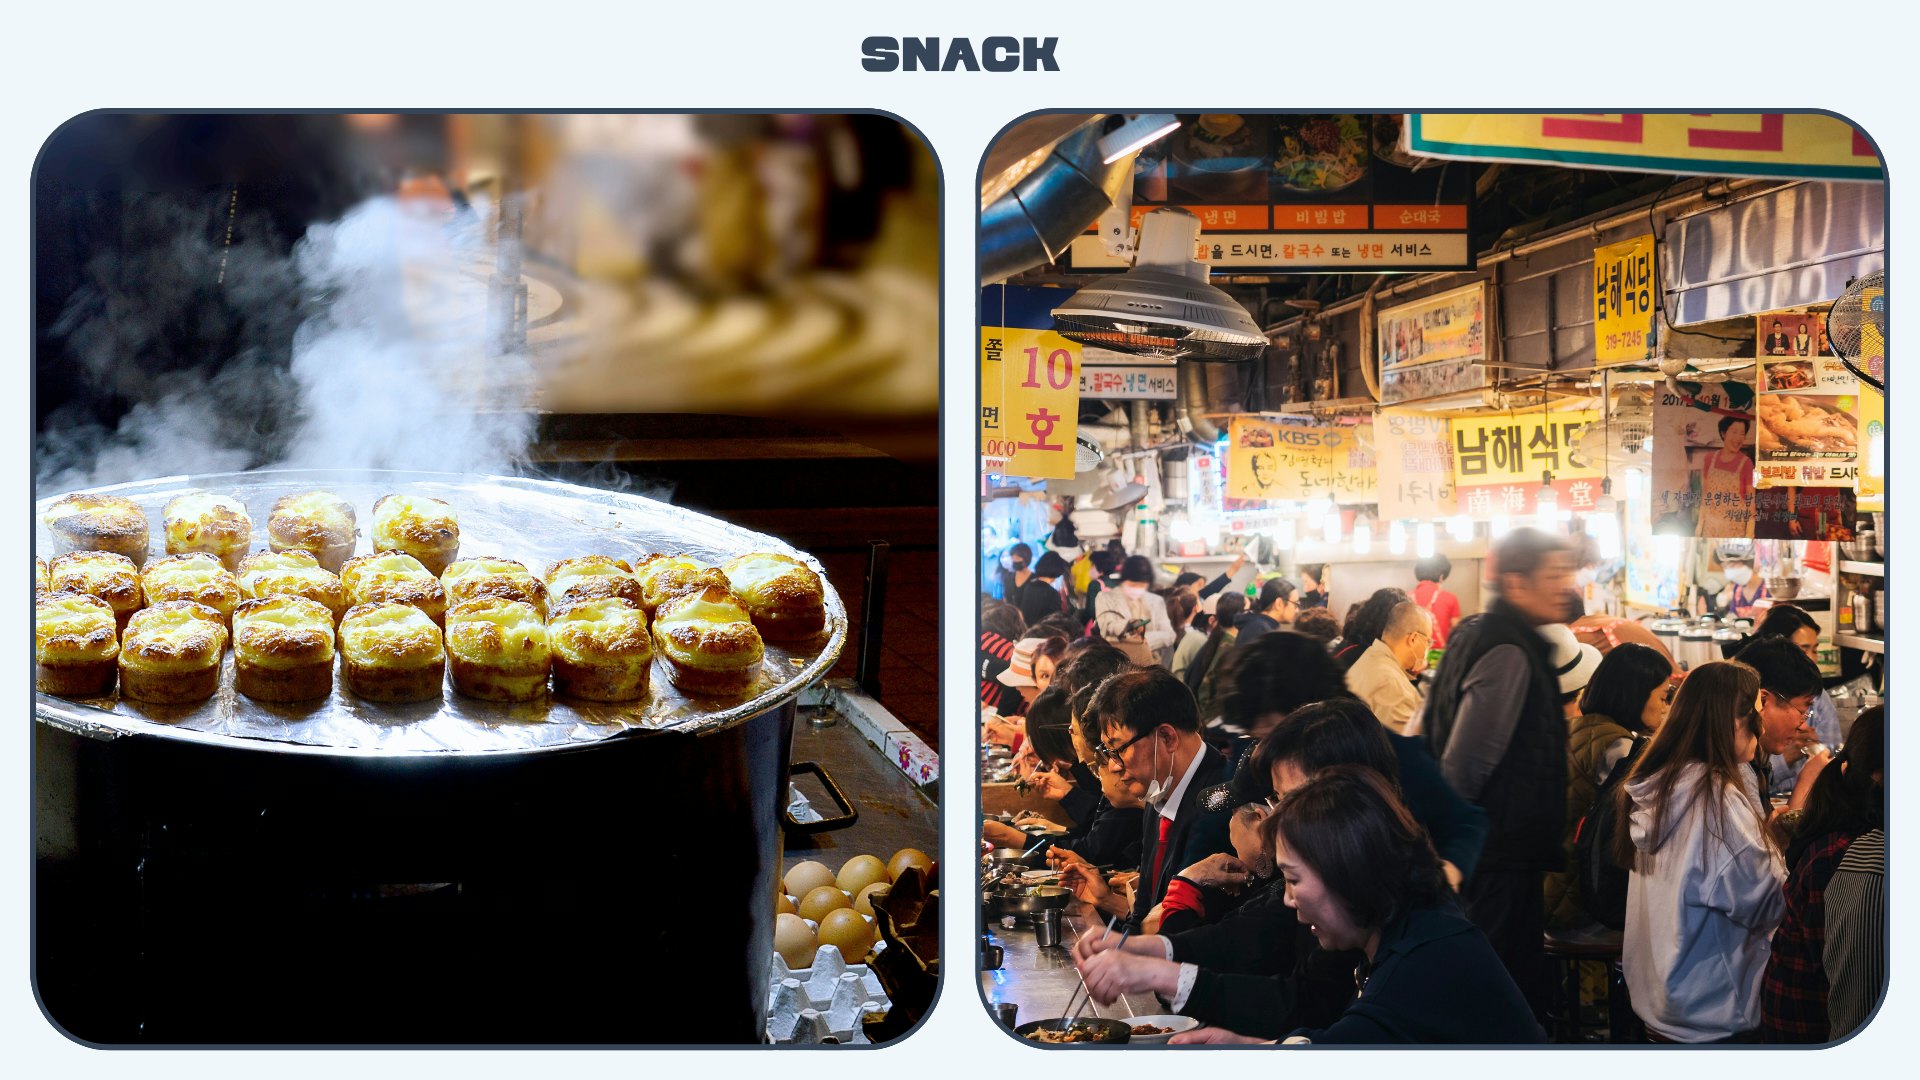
x,y
534,521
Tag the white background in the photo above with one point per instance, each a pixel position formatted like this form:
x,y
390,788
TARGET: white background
x,y
60,59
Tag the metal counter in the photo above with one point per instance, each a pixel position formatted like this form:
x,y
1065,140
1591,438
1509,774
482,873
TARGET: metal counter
x,y
1041,980
894,813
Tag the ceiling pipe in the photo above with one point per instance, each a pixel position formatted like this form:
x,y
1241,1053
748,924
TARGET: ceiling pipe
x,y
1032,224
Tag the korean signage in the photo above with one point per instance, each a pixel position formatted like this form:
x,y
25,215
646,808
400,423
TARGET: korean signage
x,y
1276,459
1156,382
1499,462
1414,454
1300,192
1703,474
1028,428
1624,302
1795,357
1785,145
1433,346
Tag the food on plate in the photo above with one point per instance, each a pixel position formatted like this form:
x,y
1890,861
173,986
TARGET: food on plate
x,y
1804,424
75,645
793,939
906,857
665,576
497,649
784,596
1219,135
859,872
806,877
394,577
508,579
709,642
202,521
1789,377
590,577
601,648
319,523
283,649
847,930
291,573
1149,1029
818,902
98,523
422,527
171,652
199,577
863,903
1320,153
1050,1032
391,651
105,574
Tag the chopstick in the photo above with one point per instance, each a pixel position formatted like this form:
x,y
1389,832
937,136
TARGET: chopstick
x,y
1070,1014
1121,944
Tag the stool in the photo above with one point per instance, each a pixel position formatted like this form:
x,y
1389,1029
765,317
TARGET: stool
x,y
1568,949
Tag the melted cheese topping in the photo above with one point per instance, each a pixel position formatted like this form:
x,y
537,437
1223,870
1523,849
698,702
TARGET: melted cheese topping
x,y
701,611
288,573
39,575
708,629
590,631
74,626
569,574
390,635
385,570
176,636
750,572
403,520
481,567
97,515
201,520
323,508
283,631
103,574
495,632
189,577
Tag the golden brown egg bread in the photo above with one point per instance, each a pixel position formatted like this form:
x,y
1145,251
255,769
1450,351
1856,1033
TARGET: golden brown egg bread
x,y
202,521
199,577
422,527
319,523
392,652
39,576
171,653
292,573
105,574
98,523
784,595
662,576
75,645
283,649
602,650
497,650
505,578
589,577
709,642
394,577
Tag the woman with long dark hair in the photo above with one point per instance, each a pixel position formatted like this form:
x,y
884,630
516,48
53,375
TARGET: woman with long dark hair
x,y
1847,801
1367,625
1704,876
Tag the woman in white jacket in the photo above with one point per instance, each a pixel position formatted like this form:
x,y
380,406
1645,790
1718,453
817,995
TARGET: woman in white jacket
x,y
1705,889
1131,618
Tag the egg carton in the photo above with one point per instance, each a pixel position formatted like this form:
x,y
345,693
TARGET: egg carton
x,y
827,1001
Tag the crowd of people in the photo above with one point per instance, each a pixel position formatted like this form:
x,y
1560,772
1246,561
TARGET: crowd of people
x,y
1304,843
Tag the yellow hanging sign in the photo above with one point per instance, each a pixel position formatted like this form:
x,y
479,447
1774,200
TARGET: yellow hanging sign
x,y
1039,408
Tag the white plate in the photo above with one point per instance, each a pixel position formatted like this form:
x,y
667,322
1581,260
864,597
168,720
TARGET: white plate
x,y
1177,1023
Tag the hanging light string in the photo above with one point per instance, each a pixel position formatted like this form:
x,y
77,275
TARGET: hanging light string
x,y
226,249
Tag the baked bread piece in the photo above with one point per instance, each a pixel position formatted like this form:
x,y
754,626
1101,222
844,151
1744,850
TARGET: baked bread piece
x,y
662,576
422,527
505,578
394,577
74,645
317,522
292,573
171,653
215,524
601,649
98,523
783,594
392,652
283,649
105,574
39,576
497,649
709,641
590,577
198,577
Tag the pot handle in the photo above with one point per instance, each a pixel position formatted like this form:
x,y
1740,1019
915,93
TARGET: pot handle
x,y
847,815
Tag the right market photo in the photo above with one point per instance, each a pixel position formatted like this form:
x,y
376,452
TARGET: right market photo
x,y
1432,578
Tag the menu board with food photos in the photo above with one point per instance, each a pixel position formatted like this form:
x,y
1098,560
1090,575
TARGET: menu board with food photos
x,y
1328,191
1500,460
1795,357
1703,474
1434,346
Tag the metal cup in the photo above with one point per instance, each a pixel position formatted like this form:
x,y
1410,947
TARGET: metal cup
x,y
1005,1011
1046,927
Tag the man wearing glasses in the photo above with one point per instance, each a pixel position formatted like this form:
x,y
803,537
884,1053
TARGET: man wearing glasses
x,y
1383,676
1789,685
1150,738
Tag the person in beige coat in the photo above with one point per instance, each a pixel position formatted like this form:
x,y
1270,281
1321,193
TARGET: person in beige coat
x,y
1383,676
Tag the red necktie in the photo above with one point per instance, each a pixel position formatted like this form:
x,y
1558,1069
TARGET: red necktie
x,y
1160,853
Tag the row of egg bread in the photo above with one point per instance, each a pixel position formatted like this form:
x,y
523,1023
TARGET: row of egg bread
x,y
402,617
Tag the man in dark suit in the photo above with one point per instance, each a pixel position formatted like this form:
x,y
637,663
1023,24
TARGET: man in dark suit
x,y
1150,738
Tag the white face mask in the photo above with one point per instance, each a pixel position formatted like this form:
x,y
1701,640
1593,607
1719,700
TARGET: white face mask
x,y
1157,788
1739,575
1584,576
1134,590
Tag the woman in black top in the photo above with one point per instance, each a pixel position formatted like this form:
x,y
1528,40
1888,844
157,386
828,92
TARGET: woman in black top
x,y
1039,599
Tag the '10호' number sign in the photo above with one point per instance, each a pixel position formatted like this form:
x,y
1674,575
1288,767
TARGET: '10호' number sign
x,y
1040,402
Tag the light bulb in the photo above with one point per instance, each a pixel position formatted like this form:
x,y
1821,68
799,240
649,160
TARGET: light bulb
x,y
1362,537
1283,534
1423,539
1397,537
1330,528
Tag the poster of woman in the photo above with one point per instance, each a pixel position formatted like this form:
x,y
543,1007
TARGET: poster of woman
x,y
1708,489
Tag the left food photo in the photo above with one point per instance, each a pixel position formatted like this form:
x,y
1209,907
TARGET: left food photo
x,y
486,579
